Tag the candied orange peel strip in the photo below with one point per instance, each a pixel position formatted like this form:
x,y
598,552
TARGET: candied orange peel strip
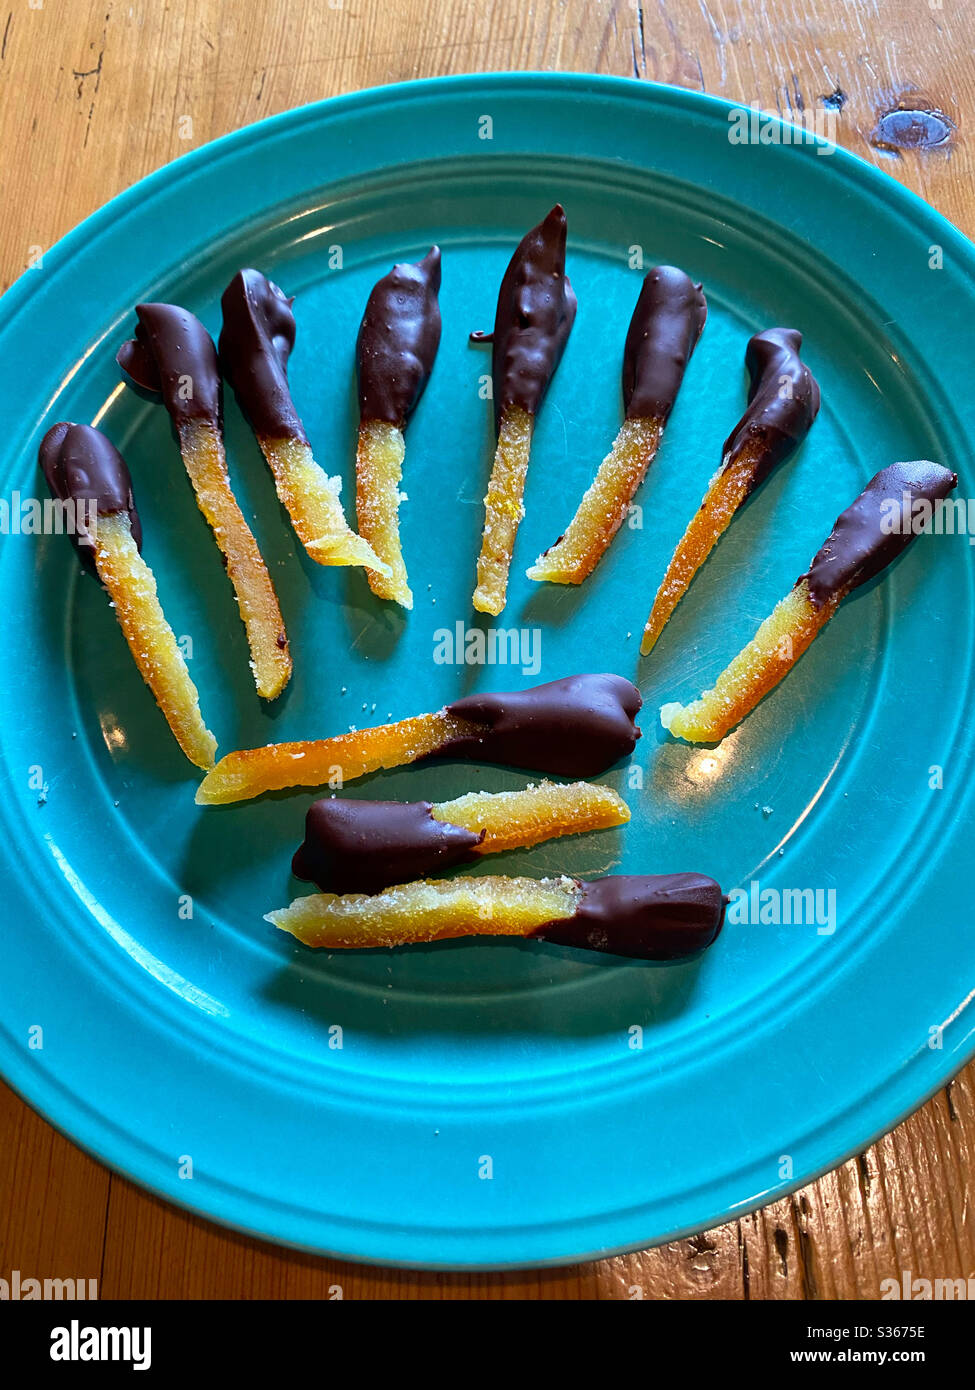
x,y
773,651
428,910
516,820
132,588
604,506
311,499
726,492
201,446
379,472
503,509
251,772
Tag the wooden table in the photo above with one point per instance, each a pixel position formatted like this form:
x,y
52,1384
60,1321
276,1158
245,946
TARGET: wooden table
x,y
96,93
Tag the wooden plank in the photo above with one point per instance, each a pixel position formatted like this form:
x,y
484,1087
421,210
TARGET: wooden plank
x,y
53,1200
93,95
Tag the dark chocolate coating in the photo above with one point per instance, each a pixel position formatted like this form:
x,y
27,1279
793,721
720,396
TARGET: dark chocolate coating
x,y
170,353
577,727
256,340
667,322
364,846
82,464
398,340
783,400
535,313
652,917
858,547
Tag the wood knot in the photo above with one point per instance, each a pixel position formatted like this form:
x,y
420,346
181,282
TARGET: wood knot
x,y
912,128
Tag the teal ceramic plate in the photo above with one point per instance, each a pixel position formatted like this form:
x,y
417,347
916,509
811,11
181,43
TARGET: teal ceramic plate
x,y
489,1103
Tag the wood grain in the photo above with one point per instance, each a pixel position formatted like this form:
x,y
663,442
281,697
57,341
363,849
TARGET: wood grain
x,y
95,95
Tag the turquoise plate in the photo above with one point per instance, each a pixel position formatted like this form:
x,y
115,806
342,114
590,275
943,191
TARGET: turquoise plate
x,y
481,1103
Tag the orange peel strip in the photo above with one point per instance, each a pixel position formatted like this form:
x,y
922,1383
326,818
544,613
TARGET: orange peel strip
x,y
503,509
379,472
726,492
335,761
132,588
604,506
516,820
311,499
758,667
201,446
428,910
